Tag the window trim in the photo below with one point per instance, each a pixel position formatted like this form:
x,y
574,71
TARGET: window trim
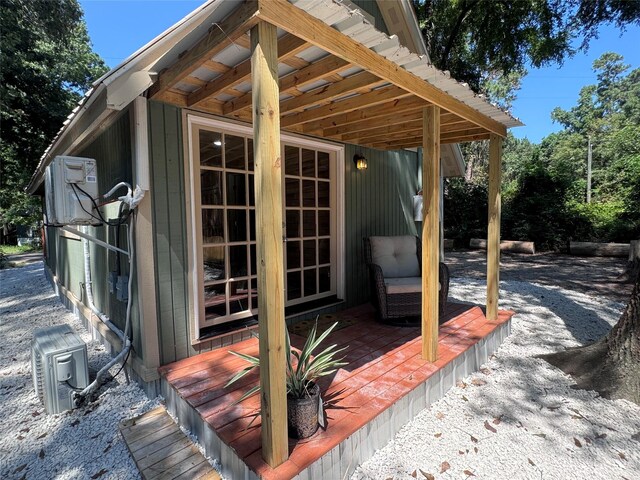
x,y
190,128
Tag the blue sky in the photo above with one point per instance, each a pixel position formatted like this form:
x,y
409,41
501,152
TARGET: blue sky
x,y
119,27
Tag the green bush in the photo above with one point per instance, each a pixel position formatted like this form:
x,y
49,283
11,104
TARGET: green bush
x,y
465,211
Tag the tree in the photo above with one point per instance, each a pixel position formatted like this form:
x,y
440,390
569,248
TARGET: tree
x,y
46,63
610,366
608,113
490,43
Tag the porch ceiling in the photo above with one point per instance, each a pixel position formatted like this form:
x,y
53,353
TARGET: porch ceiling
x,y
339,78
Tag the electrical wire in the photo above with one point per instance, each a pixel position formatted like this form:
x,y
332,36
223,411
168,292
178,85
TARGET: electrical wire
x,y
121,219
124,362
72,387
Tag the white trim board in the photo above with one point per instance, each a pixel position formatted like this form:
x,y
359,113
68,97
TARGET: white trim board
x,y
198,120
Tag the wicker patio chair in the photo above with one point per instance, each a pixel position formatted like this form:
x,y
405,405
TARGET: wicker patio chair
x,y
395,271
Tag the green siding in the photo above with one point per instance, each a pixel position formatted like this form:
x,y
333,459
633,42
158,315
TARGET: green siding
x,y
169,223
112,152
371,7
379,201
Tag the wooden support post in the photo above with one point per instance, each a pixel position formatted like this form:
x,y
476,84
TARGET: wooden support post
x,y
269,239
493,231
430,231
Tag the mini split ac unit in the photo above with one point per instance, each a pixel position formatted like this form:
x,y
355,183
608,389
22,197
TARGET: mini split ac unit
x,y
59,366
70,184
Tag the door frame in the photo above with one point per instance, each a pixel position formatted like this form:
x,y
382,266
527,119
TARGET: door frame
x,y
191,122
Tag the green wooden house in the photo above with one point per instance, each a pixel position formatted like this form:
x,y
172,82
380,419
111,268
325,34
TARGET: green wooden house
x,y
178,118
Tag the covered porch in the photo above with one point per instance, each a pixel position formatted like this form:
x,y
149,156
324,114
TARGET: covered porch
x,y
385,383
316,68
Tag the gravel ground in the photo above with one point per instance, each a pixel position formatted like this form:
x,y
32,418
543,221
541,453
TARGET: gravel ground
x,y
516,418
519,417
84,443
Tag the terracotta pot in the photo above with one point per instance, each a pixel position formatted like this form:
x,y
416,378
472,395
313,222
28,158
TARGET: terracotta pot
x,y
302,414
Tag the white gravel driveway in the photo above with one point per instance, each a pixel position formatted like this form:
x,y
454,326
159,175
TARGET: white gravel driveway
x,y
516,419
82,444
519,418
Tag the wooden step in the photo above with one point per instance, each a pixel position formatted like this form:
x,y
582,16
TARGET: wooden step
x,y
160,449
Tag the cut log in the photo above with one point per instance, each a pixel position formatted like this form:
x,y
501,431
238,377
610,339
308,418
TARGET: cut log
x,y
591,249
513,246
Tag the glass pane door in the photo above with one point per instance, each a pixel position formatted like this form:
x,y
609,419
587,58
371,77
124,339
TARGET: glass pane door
x,y
225,225
309,247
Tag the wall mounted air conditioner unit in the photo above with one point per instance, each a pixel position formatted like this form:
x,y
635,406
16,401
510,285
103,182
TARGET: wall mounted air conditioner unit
x,y
59,366
70,183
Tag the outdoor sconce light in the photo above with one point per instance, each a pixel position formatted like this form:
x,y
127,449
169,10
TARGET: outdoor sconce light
x,y
360,161
418,205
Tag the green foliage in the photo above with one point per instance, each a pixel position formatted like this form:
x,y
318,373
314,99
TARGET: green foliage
x,y
46,62
465,210
489,43
534,210
480,39
544,186
303,368
17,249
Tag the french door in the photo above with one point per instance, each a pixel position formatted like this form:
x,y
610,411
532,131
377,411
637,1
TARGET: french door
x,y
223,222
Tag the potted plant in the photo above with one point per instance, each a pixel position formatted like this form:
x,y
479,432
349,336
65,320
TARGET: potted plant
x,y
304,402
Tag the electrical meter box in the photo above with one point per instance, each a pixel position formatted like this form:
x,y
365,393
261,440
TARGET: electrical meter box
x,y
70,185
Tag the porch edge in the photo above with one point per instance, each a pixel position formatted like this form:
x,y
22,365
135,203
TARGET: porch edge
x,y
342,460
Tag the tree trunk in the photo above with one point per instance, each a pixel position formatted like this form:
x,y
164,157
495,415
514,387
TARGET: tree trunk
x,y
610,366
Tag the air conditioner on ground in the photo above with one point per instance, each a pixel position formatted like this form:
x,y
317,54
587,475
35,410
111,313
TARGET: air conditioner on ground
x,y
70,184
59,366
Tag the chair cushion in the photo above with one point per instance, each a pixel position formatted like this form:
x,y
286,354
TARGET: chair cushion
x,y
404,285
397,256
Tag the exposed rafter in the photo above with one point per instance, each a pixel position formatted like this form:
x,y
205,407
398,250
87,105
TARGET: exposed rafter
x,y
217,39
374,97
290,83
287,46
291,19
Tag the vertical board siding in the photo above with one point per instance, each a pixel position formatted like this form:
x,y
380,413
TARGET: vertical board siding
x,y
378,201
169,224
112,151
65,256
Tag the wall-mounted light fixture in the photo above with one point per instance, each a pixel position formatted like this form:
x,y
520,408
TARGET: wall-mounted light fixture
x,y
360,161
418,203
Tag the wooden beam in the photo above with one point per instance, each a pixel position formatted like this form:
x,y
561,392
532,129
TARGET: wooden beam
x,y
288,45
219,37
374,97
320,69
332,125
493,231
292,19
392,117
326,93
455,138
269,235
430,232
410,128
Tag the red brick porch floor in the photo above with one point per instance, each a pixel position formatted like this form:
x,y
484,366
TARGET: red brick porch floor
x,y
384,364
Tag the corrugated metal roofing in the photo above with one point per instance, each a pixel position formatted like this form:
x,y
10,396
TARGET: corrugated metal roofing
x,y
165,49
